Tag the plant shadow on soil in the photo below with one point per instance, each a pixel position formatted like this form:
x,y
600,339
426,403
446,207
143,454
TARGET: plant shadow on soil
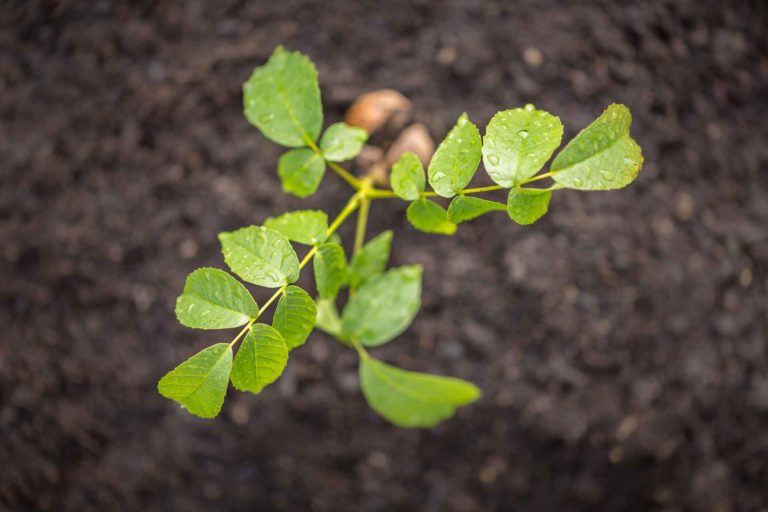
x,y
620,342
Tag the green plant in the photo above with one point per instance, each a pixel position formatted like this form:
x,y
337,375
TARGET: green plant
x,y
282,99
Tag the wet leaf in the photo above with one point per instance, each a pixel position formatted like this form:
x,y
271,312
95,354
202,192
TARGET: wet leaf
x,y
212,299
342,142
330,265
295,316
199,384
282,99
301,171
307,227
456,159
526,206
464,208
371,260
602,156
430,217
260,256
407,178
260,360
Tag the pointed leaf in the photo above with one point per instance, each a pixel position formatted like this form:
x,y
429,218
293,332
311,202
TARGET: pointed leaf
x,y
407,178
464,208
413,399
260,256
301,171
602,156
307,227
282,99
295,316
518,143
430,217
526,206
456,158
328,319
213,299
330,265
371,260
383,306
260,360
342,142
199,384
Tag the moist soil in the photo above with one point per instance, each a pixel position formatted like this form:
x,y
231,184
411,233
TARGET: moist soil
x,y
621,342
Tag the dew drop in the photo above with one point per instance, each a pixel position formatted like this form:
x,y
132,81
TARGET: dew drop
x,y
493,159
530,107
523,134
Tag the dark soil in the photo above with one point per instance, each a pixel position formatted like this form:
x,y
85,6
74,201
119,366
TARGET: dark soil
x,y
621,342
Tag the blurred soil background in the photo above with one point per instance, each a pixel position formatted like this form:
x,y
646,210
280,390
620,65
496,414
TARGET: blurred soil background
x,y
621,342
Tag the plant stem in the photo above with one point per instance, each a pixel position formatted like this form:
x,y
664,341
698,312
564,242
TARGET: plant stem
x,y
377,193
537,178
362,217
353,203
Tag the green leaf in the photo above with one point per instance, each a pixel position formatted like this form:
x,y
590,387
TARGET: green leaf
x,y
602,156
407,178
295,316
430,217
301,171
303,226
526,206
328,319
456,158
342,142
413,399
464,208
518,143
371,260
282,99
260,360
213,299
199,384
260,256
383,307
330,265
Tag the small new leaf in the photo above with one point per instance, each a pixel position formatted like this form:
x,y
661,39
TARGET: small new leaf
x,y
301,171
602,156
526,206
342,142
456,158
430,217
383,306
464,208
407,178
199,384
518,143
295,316
213,299
330,265
282,99
307,227
260,360
413,399
371,260
260,256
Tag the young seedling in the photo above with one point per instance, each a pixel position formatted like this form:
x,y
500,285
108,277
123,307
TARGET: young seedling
x,y
282,99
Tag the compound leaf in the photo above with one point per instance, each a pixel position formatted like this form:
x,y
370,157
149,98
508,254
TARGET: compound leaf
x,y
383,306
602,156
295,316
260,360
260,256
464,208
328,319
199,384
407,178
430,217
342,142
371,260
212,299
518,143
303,226
413,399
456,158
526,206
330,265
301,171
282,99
